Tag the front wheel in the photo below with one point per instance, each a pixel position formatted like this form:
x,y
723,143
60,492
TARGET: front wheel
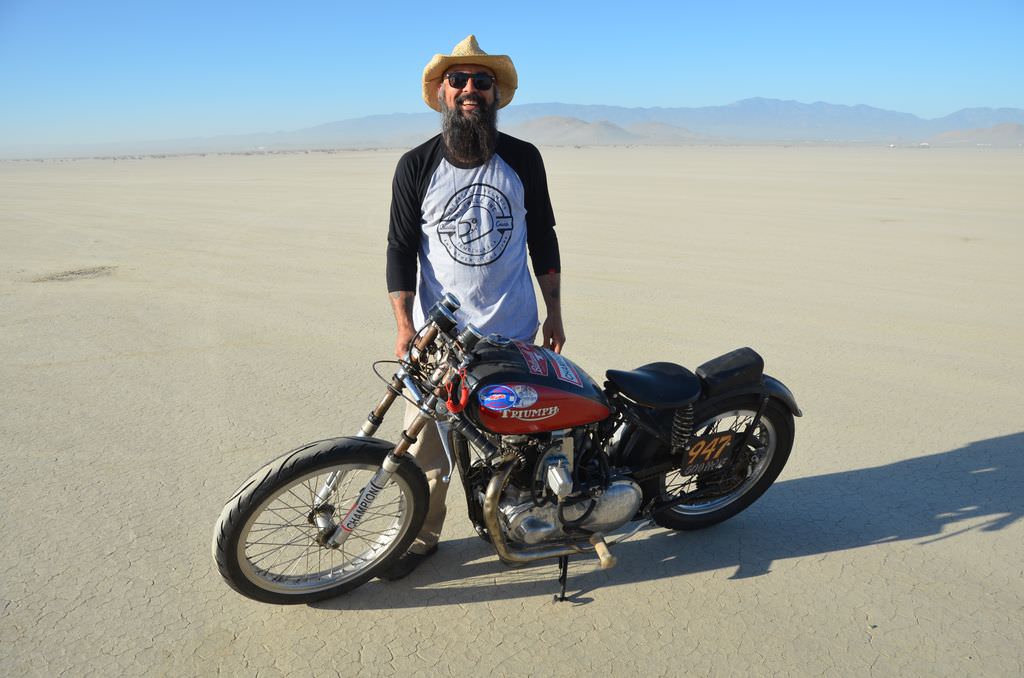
x,y
703,499
268,547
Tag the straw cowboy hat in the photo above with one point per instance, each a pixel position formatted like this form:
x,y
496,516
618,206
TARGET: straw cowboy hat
x,y
469,52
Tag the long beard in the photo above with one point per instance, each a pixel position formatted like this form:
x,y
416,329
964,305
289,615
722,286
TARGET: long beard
x,y
472,138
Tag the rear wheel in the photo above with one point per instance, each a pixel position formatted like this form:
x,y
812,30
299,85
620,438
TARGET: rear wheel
x,y
708,498
268,547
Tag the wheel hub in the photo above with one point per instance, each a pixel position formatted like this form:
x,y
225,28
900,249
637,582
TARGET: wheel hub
x,y
323,518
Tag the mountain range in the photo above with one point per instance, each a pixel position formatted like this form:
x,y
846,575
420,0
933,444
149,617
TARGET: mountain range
x,y
756,120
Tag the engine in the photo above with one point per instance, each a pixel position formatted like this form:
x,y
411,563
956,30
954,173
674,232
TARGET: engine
x,y
546,412
560,488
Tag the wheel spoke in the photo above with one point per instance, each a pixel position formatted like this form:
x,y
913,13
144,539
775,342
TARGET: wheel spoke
x,y
365,535
302,501
274,527
287,521
291,563
262,540
260,557
301,510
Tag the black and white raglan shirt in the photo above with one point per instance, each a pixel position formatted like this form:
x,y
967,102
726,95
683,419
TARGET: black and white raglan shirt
x,y
469,228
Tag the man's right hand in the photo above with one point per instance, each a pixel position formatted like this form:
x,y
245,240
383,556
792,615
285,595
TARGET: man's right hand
x,y
404,340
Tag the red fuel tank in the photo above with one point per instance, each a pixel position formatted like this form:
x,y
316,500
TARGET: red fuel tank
x,y
518,388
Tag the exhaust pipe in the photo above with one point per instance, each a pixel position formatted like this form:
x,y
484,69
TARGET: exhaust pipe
x,y
514,554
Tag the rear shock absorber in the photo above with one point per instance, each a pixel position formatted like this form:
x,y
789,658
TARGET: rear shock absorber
x,y
682,428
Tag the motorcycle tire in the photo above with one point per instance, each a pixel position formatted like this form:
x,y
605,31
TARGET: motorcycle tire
x,y
264,542
767,452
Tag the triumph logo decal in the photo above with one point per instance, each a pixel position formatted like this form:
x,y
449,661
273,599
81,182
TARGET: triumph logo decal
x,y
361,506
476,225
536,414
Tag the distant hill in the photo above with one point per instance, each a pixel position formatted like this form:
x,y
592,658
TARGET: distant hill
x,y
761,119
1007,135
663,133
557,130
973,118
754,120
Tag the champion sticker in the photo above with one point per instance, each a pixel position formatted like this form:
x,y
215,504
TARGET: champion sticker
x,y
526,395
564,369
497,398
534,359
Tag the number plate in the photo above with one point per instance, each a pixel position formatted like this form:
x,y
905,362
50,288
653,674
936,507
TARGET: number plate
x,y
708,453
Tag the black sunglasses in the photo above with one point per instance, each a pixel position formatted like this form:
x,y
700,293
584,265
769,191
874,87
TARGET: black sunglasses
x,y
481,81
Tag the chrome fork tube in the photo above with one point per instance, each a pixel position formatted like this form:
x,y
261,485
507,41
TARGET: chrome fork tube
x,y
363,503
324,521
376,416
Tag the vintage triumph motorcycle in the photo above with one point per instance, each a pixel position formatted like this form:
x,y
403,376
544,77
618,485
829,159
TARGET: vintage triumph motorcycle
x,y
551,462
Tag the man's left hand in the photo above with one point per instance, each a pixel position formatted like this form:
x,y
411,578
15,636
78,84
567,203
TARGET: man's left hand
x,y
554,335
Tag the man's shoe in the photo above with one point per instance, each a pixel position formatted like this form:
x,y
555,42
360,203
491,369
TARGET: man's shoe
x,y
406,564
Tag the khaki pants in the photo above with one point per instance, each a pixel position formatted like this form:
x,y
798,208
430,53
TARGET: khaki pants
x,y
430,457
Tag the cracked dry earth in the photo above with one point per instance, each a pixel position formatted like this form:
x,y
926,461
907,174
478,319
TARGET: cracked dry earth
x,y
240,301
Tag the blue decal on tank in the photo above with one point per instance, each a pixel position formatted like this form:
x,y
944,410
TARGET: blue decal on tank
x,y
497,398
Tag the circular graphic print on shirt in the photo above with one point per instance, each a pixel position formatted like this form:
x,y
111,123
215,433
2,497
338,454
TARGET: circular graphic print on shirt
x,y
476,225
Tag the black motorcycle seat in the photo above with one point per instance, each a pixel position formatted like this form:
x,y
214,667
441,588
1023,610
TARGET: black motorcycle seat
x,y
658,385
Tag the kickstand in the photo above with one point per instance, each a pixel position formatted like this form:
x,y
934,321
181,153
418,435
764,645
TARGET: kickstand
x,y
563,575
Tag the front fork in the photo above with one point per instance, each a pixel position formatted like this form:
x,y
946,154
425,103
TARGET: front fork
x,y
334,535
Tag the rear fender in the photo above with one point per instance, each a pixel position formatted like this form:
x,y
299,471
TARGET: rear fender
x,y
768,385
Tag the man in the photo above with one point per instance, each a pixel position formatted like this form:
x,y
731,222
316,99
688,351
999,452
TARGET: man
x,y
466,206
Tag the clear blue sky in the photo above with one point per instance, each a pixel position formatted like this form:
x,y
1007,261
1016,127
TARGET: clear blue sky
x,y
97,70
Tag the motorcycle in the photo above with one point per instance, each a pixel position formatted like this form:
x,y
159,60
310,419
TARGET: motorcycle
x,y
551,463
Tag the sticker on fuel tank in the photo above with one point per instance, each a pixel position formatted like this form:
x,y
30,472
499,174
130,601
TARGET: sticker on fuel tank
x,y
497,398
534,359
526,396
563,370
